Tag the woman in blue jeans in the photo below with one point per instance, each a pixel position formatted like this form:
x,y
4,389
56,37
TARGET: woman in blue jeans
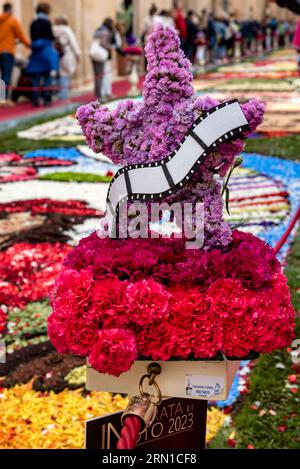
x,y
43,66
44,60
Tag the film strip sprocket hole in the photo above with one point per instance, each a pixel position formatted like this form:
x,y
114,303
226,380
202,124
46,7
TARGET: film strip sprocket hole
x,y
160,179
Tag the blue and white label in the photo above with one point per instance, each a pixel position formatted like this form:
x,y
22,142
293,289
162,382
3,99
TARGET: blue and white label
x,y
204,386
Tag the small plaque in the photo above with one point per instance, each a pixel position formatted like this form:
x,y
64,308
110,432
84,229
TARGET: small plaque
x,y
204,386
179,424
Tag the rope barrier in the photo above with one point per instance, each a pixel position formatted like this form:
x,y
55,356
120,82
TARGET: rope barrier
x,y
141,410
288,231
130,432
55,87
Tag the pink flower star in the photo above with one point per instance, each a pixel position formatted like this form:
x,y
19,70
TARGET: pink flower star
x,y
149,130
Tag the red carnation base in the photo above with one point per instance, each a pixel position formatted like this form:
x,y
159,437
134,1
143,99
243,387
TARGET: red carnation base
x,y
119,300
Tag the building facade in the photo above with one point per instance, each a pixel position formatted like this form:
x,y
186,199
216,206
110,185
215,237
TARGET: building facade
x,y
86,15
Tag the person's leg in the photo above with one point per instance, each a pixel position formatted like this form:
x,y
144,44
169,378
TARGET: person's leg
x,y
7,65
200,55
47,93
98,72
223,52
35,79
64,87
106,88
215,52
109,79
104,81
189,49
99,75
231,47
182,44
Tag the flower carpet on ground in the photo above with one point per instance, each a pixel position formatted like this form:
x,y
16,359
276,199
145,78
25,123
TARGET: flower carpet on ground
x,y
270,65
281,98
47,420
279,188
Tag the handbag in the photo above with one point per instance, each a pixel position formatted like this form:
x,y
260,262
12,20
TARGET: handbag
x,y
59,47
97,52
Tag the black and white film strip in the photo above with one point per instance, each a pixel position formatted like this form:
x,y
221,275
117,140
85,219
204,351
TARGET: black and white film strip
x,y
154,181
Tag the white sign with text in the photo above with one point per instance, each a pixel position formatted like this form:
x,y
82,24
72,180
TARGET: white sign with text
x,y
204,386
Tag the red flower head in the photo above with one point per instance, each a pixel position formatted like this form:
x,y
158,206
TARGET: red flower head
x,y
114,351
147,301
74,323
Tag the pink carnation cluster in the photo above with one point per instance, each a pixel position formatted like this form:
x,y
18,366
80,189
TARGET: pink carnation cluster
x,y
117,300
137,132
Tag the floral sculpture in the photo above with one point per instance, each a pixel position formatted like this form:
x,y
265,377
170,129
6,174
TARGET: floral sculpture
x,y
118,300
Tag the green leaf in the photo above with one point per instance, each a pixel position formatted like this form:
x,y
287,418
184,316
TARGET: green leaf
x,y
238,161
227,193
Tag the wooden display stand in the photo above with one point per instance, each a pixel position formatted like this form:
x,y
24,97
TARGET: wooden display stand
x,y
206,380
186,387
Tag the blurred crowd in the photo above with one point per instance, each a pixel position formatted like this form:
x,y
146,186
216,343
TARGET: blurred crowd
x,y
53,60
206,38
217,38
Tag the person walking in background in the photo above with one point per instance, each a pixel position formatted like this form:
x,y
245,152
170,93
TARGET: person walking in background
x,y
192,30
98,55
180,23
233,31
106,40
165,18
149,23
282,33
148,26
69,52
10,32
112,40
44,60
212,37
221,31
201,42
249,32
